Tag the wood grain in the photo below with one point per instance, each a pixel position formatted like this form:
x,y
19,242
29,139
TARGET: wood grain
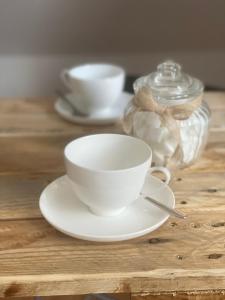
x,y
36,117
33,117
75,297
182,296
183,257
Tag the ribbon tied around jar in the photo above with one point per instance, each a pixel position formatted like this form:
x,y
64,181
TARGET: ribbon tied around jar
x,y
169,114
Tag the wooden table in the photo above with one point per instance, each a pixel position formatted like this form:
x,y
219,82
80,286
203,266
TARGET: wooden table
x,y
181,258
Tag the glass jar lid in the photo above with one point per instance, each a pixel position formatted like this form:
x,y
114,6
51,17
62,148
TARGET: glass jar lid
x,y
170,84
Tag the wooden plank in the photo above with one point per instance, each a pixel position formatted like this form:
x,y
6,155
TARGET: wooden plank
x,y
215,100
37,154
37,105
26,117
19,194
179,256
23,117
92,297
48,153
46,124
182,296
19,298
78,297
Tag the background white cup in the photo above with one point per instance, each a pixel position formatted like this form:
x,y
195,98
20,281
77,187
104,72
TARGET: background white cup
x,y
95,87
107,171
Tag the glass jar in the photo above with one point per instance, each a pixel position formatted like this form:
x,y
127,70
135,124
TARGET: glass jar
x,y
168,112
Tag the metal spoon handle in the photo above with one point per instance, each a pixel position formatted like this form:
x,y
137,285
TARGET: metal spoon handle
x,y
171,211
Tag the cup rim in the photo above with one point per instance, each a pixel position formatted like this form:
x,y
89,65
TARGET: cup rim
x,y
119,71
95,170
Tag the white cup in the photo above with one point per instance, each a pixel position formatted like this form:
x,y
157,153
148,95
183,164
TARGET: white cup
x,y
95,87
107,171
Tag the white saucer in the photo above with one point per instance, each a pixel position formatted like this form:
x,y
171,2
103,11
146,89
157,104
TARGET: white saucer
x,y
65,212
110,115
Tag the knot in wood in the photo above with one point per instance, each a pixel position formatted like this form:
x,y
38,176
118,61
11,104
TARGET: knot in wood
x,y
215,256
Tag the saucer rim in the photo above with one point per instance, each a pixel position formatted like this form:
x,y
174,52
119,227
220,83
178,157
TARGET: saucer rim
x,y
105,238
90,119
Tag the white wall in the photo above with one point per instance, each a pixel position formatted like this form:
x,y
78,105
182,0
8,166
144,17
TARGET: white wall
x,y
40,37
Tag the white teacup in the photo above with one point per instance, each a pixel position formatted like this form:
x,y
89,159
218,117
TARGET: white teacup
x,y
95,87
107,171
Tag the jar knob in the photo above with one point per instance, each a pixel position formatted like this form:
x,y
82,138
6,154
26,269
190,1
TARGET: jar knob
x,y
168,70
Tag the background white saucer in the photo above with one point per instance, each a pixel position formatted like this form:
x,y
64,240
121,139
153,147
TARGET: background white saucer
x,y
109,116
65,212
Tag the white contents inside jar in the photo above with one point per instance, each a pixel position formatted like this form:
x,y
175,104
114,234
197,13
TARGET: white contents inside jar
x,y
147,126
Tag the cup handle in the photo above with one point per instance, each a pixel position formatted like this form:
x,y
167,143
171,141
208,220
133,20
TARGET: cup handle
x,y
65,77
163,170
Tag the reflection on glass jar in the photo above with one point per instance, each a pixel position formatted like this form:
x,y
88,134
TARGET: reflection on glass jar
x,y
168,112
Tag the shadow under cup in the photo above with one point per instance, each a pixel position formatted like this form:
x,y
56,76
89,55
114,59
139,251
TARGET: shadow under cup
x,y
107,171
